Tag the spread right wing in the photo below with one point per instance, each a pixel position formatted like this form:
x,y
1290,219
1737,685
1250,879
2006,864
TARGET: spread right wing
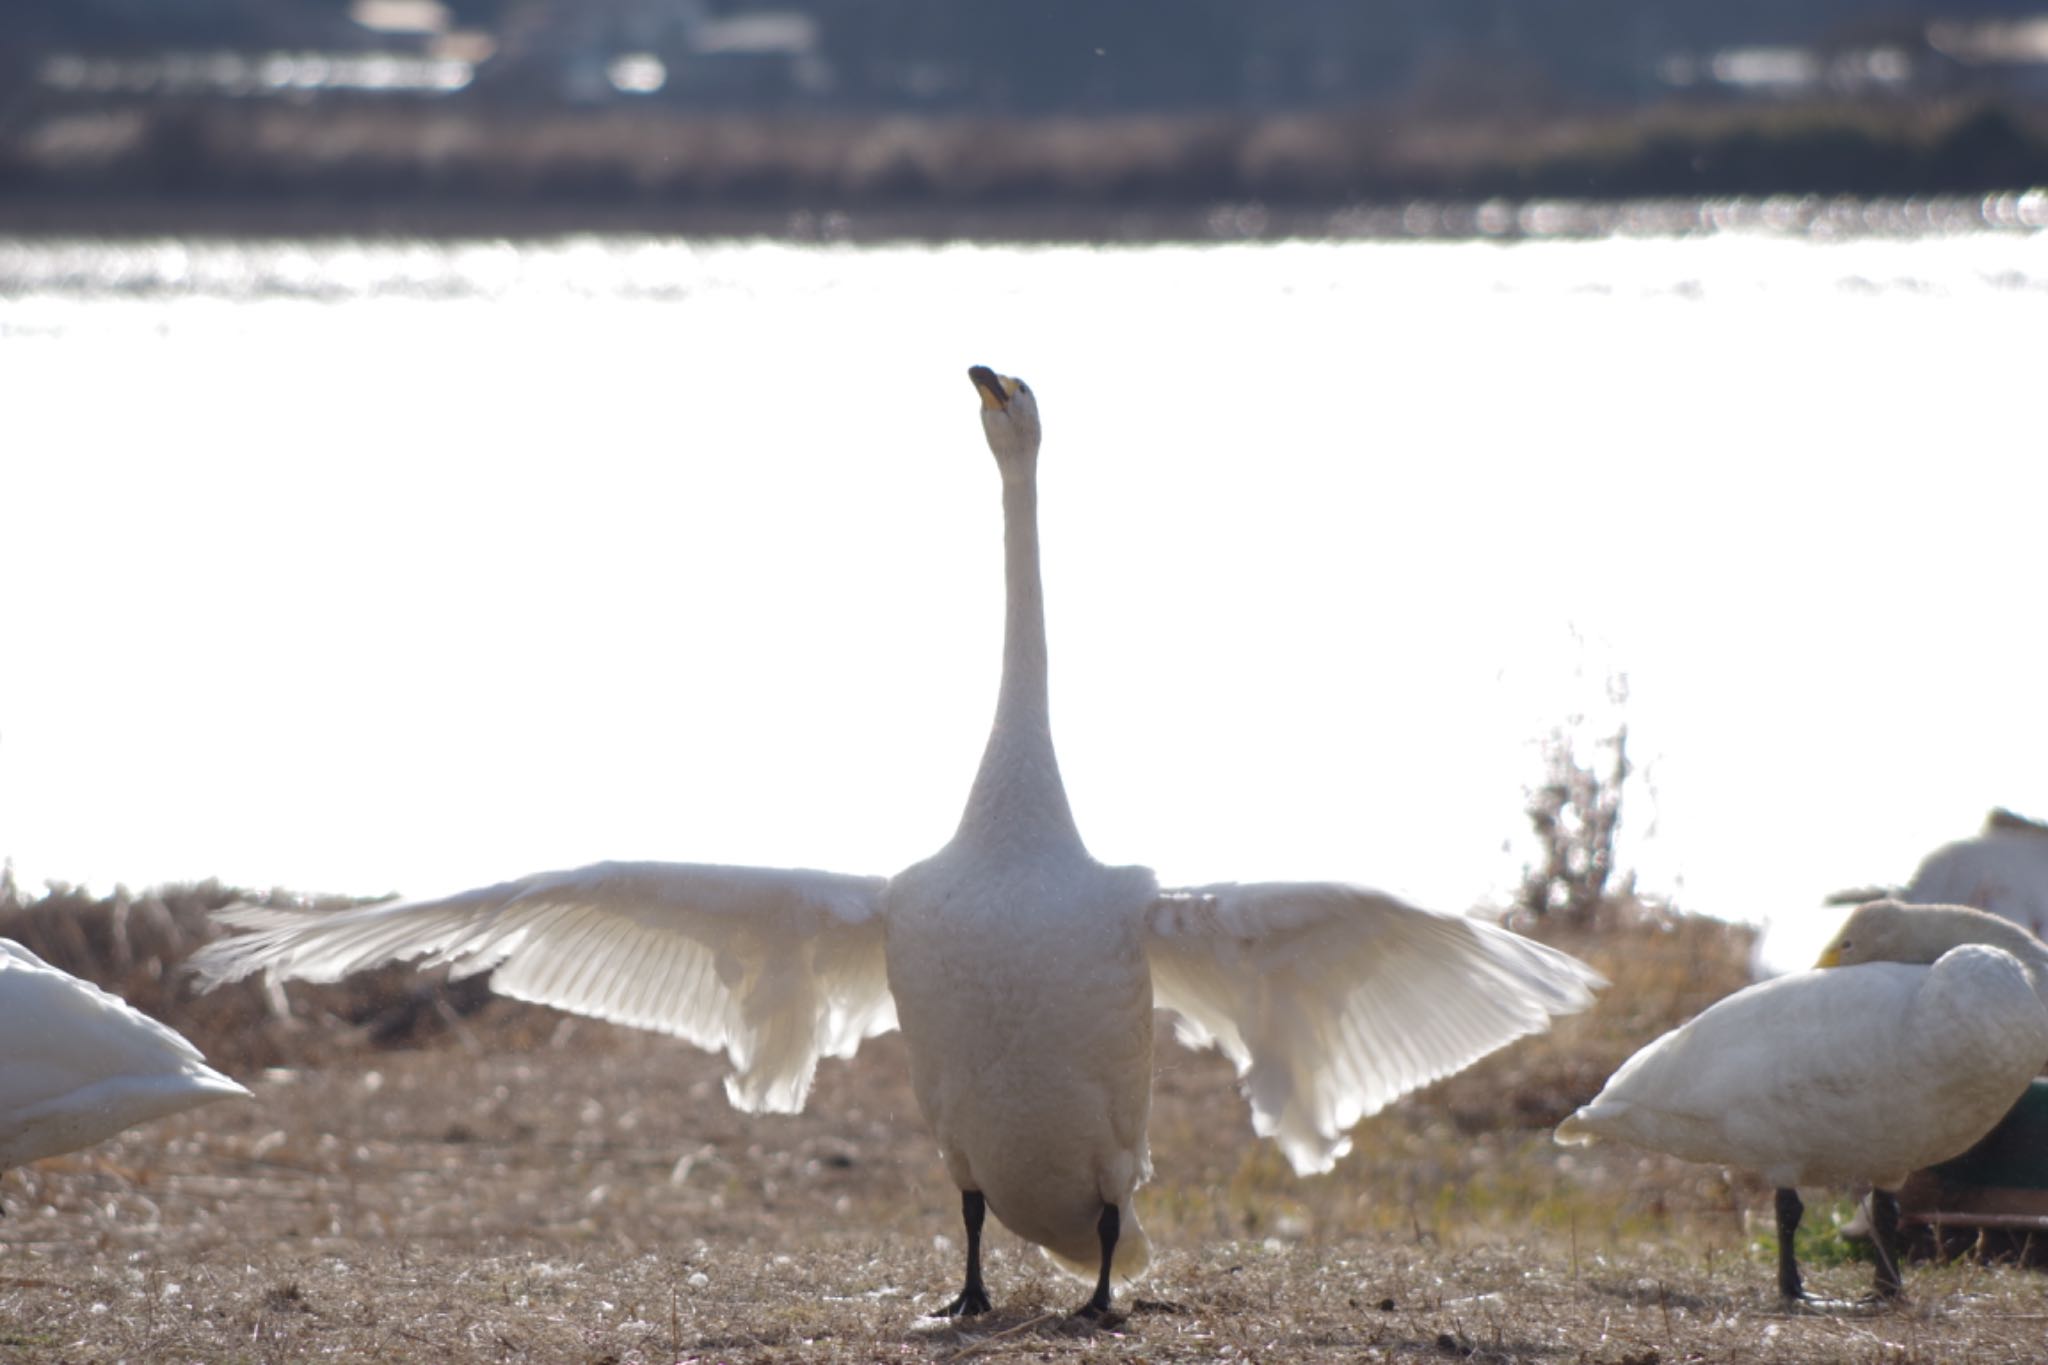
x,y
777,967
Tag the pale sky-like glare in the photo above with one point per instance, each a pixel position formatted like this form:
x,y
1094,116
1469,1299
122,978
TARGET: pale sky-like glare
x,y
353,568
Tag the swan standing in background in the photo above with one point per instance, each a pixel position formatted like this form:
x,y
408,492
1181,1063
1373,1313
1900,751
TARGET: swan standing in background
x,y
1022,972
2003,870
1920,1029
78,1065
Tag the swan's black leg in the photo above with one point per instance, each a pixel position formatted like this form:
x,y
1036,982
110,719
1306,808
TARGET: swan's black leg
x,y
973,1297
1884,1235
1106,1228
1789,1212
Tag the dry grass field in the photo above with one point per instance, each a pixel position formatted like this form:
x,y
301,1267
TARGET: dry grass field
x,y
417,1183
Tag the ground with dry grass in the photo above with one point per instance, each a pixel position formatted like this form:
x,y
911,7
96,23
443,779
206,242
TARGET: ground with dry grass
x,y
430,1175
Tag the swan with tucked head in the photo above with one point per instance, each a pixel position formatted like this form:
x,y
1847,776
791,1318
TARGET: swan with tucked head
x,y
1895,931
1917,1032
1022,972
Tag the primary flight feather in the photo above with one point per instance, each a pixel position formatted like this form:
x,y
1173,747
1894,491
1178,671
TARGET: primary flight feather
x,y
1022,972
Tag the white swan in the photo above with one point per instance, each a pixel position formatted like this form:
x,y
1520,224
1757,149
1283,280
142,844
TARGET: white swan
x,y
78,1065
1921,1028
1023,972
2003,870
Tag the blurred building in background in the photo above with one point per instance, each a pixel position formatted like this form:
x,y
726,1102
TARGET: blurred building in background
x,y
1029,56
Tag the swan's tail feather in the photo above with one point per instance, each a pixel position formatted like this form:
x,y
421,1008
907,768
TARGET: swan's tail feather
x,y
1133,1253
1574,1131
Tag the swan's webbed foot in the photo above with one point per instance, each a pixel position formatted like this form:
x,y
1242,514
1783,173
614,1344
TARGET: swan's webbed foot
x,y
971,1303
1884,1222
1097,1308
1088,1317
973,1299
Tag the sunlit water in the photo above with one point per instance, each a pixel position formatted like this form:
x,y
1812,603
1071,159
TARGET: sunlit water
x,y
360,567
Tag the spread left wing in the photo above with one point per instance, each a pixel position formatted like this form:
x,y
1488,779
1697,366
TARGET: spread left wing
x,y
1333,1000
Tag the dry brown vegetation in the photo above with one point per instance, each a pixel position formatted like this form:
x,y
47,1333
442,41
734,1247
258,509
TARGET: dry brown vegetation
x,y
508,1184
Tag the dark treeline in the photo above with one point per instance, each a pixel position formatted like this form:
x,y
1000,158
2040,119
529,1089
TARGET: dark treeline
x,y
455,170
789,106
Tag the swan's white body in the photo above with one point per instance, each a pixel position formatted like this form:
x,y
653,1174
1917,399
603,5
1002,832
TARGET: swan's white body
x,y
78,1065
1028,1011
2004,870
1856,1076
1921,1029
1023,972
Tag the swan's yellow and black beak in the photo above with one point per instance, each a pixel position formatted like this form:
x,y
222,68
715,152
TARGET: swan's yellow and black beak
x,y
1831,957
996,390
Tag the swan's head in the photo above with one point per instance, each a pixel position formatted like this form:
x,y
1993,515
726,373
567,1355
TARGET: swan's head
x,y
1009,417
1888,931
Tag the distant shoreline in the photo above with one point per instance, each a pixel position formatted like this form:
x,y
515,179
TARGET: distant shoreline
x,y
205,168
135,217
1845,216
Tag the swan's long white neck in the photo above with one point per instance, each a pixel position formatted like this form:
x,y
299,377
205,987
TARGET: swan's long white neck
x,y
1018,798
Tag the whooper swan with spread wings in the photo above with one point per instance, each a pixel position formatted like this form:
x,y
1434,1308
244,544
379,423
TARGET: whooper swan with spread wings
x,y
1022,972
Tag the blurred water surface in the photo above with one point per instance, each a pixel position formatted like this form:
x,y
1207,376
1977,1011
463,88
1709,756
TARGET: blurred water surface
x,y
364,566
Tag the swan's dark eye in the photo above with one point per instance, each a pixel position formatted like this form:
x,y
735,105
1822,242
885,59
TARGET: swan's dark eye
x,y
1023,387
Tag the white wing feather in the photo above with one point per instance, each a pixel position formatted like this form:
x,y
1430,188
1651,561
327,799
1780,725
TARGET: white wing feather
x,y
1333,1000
776,967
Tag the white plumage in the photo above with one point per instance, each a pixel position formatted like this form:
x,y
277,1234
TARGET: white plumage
x,y
2003,870
1912,1041
1023,972
78,1065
